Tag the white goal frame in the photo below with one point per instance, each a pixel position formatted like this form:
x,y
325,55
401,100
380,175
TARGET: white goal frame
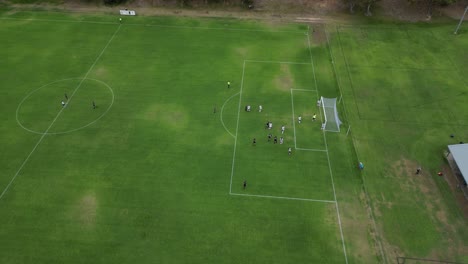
x,y
332,121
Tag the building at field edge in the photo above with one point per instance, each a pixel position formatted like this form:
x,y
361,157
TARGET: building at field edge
x,y
458,160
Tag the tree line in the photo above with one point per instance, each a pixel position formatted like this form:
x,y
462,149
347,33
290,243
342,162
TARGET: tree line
x,y
353,5
367,5
184,3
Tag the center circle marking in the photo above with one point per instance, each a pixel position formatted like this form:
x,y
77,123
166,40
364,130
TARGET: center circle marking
x,y
71,130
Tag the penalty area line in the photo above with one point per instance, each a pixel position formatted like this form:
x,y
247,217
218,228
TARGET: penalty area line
x,y
306,149
278,62
305,90
283,198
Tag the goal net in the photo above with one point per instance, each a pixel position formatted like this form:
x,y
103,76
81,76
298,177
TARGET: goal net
x,y
332,121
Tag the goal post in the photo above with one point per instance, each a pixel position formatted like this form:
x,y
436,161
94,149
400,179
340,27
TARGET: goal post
x,y
332,121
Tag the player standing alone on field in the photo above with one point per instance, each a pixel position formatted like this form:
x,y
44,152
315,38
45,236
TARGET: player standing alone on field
x,y
63,104
289,151
244,184
254,142
66,97
314,117
282,129
260,108
299,119
229,84
120,20
94,105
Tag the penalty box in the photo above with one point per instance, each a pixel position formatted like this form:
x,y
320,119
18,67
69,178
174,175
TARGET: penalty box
x,y
266,166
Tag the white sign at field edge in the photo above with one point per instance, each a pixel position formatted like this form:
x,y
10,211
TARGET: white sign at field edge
x,y
127,12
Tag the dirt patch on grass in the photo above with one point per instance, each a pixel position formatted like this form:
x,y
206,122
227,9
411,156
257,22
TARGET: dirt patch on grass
x,y
454,186
101,72
318,34
242,52
170,115
86,209
427,193
284,80
359,228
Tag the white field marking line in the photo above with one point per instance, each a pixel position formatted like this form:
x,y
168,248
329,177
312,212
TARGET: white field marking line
x,y
59,20
154,25
305,90
307,149
278,62
294,126
328,159
57,116
221,115
315,77
283,198
338,81
216,28
237,127
293,119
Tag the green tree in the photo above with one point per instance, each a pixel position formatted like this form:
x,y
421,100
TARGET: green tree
x,y
361,4
431,3
369,4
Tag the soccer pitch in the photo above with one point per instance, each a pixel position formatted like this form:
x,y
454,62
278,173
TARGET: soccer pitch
x,y
154,172
146,159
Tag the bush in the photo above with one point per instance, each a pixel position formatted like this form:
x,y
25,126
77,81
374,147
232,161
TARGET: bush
x,y
114,2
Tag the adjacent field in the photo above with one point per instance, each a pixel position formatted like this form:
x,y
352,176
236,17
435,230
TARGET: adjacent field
x,y
405,93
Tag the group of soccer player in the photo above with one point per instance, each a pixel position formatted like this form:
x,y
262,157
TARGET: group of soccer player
x,y
269,126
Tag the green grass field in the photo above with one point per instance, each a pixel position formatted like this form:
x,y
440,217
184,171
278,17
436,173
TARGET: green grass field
x,y
155,173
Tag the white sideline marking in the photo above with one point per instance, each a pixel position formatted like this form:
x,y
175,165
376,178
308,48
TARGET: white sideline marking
x,y
283,198
305,90
237,127
293,119
60,20
57,116
323,150
152,25
278,62
221,115
328,158
216,28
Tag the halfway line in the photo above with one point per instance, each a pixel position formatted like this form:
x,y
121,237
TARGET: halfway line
x,y
237,127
